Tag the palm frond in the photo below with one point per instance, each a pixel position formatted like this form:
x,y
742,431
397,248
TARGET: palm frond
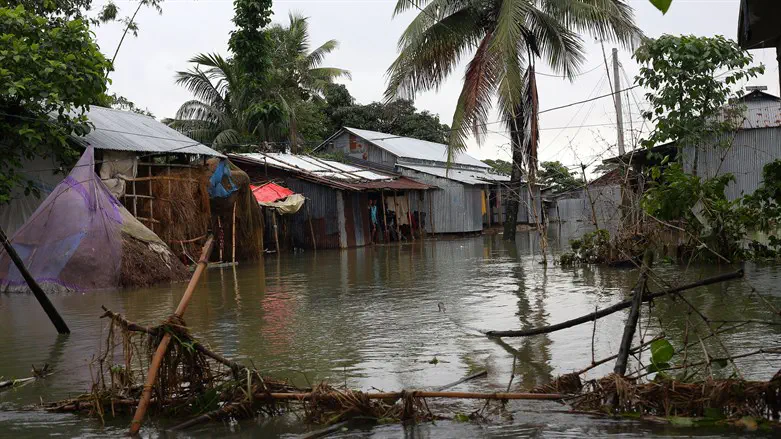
x,y
403,6
317,56
611,20
430,57
227,139
531,105
201,111
201,86
555,44
475,99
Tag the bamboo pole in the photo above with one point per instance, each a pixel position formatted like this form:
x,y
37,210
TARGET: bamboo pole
x,y
47,306
154,367
233,231
615,308
432,394
311,228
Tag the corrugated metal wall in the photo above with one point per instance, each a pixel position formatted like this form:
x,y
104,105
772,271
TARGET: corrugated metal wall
x,y
750,152
454,207
364,150
321,201
576,207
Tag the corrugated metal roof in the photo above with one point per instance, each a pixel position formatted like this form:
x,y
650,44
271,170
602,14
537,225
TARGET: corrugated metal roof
x,y
459,175
408,147
322,168
128,131
400,183
335,173
762,114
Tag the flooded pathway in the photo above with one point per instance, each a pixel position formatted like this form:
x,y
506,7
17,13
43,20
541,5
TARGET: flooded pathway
x,y
385,317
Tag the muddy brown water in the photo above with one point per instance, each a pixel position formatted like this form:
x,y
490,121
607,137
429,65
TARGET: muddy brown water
x,y
373,318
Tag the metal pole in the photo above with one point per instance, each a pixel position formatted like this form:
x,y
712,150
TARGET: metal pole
x,y
617,101
47,306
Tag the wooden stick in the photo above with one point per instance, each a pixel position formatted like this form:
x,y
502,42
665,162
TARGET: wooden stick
x,y
233,230
409,216
384,217
276,233
47,306
154,367
153,330
475,375
325,431
634,315
398,216
311,228
615,308
432,394
613,357
431,213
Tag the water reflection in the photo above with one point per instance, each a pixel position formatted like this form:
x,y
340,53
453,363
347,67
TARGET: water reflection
x,y
370,317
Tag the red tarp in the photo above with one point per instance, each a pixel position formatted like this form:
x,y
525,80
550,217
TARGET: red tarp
x,y
270,192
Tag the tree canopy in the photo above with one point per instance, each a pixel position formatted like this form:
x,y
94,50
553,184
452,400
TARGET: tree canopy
x,y
558,177
50,71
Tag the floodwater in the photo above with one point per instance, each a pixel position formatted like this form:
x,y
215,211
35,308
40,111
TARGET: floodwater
x,y
376,318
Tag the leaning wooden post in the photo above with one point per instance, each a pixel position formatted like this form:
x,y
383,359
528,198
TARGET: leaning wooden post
x,y
311,228
276,233
396,214
409,217
384,216
47,306
431,213
162,348
634,315
233,230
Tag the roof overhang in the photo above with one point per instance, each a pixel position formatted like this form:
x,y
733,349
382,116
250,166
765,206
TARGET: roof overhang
x,y
758,24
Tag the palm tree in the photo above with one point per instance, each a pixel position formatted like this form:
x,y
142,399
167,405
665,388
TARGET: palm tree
x,y
505,38
297,71
223,113
297,68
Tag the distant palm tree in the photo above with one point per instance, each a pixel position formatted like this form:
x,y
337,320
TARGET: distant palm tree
x,y
293,64
223,114
505,38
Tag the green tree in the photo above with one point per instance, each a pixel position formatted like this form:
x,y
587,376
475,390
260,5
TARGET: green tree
x,y
399,117
506,37
225,113
500,166
50,71
692,105
298,78
558,177
250,43
295,66
688,98
69,9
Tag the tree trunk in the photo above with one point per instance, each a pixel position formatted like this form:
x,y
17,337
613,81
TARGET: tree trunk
x,y
514,192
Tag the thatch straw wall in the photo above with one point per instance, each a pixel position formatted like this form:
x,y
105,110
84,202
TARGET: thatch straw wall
x,y
186,212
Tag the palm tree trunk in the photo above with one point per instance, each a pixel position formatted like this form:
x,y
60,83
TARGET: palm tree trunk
x,y
514,194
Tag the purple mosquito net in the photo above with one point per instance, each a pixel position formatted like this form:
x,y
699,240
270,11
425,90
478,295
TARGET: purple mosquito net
x,y
73,241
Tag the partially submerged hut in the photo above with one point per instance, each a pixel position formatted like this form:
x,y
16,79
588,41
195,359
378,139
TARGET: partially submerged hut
x,y
338,197
159,175
81,238
469,195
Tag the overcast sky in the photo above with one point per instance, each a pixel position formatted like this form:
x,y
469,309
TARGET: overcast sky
x,y
146,65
